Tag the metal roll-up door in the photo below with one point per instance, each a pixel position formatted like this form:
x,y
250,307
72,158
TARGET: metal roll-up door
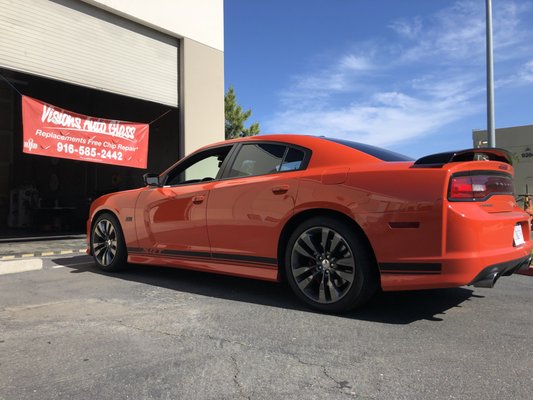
x,y
77,43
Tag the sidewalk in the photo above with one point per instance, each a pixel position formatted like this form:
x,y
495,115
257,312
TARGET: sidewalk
x,y
42,247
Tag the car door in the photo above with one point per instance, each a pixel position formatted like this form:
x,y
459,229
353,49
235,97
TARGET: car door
x,y
247,209
171,219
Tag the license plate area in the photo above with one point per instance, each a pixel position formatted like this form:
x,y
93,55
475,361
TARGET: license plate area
x,y
518,238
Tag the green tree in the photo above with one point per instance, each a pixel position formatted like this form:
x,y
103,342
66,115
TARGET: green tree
x,y
235,117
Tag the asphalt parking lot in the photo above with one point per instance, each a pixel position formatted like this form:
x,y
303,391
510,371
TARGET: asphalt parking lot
x,y
69,331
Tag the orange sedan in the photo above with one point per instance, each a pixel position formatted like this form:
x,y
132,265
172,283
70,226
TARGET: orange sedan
x,y
338,220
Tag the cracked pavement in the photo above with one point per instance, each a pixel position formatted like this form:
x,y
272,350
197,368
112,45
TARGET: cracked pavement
x,y
69,331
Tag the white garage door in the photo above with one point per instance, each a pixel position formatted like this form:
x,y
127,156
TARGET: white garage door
x,y
74,42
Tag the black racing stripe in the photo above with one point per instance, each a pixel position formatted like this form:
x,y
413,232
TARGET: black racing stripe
x,y
243,263
404,224
410,268
410,272
198,254
184,253
239,257
158,252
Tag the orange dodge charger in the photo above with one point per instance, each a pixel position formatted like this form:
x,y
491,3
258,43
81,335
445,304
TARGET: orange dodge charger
x,y
338,220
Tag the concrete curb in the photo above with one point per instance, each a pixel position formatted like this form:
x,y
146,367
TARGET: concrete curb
x,y
10,257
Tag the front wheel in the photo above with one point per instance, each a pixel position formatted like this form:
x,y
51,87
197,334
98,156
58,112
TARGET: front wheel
x,y
328,265
107,243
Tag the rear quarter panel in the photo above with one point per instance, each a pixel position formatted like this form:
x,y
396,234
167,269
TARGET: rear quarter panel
x,y
386,200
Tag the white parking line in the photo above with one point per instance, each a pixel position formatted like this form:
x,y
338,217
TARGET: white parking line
x,y
15,266
73,265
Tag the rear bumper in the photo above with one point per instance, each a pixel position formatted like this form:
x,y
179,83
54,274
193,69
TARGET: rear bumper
x,y
454,270
488,277
477,247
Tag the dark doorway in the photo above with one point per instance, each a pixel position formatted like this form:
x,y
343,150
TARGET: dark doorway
x,y
49,196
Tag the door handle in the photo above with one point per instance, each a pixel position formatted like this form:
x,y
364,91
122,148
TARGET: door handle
x,y
198,199
280,189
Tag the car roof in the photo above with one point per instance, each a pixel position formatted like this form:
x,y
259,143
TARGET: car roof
x,y
282,137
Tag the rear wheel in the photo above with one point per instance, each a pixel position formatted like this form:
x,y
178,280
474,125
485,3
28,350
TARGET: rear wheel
x,y
328,265
107,243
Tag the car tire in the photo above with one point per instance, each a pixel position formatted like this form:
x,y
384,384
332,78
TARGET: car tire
x,y
329,266
107,243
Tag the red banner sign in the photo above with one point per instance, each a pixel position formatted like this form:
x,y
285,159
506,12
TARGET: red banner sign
x,y
55,132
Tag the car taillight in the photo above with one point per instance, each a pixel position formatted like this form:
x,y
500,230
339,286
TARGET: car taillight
x,y
476,186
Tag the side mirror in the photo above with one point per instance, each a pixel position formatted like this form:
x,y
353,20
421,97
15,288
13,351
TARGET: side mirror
x,y
151,179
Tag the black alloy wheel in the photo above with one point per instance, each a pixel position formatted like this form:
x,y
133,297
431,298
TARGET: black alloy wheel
x,y
328,265
107,243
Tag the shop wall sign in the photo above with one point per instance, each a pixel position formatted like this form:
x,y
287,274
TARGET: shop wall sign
x,y
54,132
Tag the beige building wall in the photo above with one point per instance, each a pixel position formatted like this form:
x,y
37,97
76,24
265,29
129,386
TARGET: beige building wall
x,y
202,94
519,141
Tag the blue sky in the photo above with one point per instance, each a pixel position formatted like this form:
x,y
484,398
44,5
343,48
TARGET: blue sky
x,y
405,75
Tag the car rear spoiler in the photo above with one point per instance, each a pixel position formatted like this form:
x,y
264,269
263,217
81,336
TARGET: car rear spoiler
x,y
481,154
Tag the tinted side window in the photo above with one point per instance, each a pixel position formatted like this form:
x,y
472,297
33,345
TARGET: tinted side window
x,y
206,169
293,160
202,167
258,159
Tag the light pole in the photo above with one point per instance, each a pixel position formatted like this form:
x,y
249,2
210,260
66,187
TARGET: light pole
x,y
490,77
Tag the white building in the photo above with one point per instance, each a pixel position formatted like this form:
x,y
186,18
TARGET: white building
x,y
127,60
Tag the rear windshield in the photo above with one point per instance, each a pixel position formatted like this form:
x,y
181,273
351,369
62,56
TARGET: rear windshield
x,y
378,152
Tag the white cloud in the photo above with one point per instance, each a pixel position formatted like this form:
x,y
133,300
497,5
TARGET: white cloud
x,y
523,76
526,72
352,62
458,32
337,77
446,85
433,76
410,29
386,118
